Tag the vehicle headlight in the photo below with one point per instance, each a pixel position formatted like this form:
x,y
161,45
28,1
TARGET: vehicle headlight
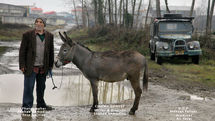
x,y
191,46
165,45
194,45
162,45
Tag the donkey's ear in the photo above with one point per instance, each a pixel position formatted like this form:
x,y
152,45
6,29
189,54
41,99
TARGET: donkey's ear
x,y
69,40
67,36
62,38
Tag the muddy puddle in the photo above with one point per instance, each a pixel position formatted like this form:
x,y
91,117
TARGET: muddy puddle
x,y
72,90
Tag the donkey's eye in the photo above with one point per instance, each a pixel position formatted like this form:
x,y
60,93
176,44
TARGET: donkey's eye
x,y
64,50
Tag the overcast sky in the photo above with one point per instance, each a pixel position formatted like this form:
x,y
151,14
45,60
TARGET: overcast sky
x,y
60,5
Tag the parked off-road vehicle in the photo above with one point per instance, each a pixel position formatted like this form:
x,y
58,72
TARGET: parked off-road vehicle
x,y
171,36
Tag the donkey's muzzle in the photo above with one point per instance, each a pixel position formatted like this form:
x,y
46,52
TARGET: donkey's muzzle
x,y
58,64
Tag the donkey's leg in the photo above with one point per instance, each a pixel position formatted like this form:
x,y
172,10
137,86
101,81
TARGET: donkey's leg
x,y
94,85
137,91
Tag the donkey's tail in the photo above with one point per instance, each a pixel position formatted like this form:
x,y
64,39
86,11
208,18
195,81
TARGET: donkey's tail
x,y
145,76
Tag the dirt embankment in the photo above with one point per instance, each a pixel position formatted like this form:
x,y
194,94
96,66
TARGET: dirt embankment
x,y
165,77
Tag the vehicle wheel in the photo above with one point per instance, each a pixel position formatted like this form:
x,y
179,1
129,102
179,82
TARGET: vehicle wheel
x,y
158,59
195,59
152,55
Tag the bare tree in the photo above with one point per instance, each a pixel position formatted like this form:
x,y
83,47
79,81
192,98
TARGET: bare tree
x,y
83,13
105,10
109,11
138,12
158,10
86,6
167,7
120,12
124,11
112,11
200,12
147,13
95,10
126,15
100,12
211,17
88,17
192,7
133,9
126,6
115,12
208,18
75,10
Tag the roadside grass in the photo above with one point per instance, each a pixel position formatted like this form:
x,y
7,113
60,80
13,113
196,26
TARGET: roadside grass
x,y
51,28
98,47
200,73
153,65
203,73
13,32
78,34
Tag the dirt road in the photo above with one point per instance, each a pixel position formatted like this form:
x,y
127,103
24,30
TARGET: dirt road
x,y
158,104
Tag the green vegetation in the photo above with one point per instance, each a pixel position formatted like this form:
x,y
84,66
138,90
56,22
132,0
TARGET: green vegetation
x,y
112,38
12,32
51,28
78,34
204,73
191,72
185,75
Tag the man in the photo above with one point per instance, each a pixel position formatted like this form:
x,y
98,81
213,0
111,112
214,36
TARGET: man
x,y
36,58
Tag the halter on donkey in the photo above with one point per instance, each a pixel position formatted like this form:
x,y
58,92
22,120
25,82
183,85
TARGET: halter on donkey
x,y
109,66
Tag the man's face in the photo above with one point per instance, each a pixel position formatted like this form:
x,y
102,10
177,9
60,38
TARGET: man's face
x,y
39,25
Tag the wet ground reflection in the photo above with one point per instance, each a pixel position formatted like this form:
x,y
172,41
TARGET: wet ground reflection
x,y
72,90
76,90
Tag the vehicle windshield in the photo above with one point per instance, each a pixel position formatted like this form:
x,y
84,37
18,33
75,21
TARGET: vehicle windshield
x,y
175,27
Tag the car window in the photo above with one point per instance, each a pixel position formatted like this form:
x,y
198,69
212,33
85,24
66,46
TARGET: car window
x,y
175,27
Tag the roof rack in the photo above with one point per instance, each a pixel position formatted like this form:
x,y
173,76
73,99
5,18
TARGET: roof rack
x,y
174,16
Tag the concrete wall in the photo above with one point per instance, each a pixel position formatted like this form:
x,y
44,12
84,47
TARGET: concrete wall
x,y
17,20
12,10
29,20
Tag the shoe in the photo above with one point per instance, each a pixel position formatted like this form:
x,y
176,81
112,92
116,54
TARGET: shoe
x,y
26,111
46,107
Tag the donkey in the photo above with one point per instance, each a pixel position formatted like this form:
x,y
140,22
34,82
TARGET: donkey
x,y
109,66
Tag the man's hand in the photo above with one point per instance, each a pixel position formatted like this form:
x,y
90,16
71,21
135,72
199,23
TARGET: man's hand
x,y
22,69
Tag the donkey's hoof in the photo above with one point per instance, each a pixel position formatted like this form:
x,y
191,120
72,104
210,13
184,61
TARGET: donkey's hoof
x,y
92,110
131,112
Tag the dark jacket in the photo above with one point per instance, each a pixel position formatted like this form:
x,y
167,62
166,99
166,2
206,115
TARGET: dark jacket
x,y
27,52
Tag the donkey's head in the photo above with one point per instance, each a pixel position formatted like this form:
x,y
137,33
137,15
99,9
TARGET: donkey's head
x,y
66,52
